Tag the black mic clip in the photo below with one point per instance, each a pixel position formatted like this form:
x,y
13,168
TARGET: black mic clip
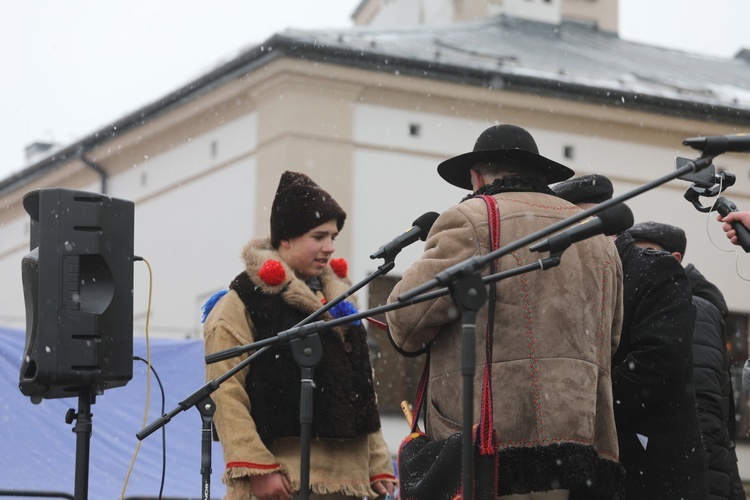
x,y
705,181
419,230
693,193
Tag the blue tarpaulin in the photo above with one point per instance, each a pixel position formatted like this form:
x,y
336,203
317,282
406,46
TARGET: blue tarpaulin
x,y
39,447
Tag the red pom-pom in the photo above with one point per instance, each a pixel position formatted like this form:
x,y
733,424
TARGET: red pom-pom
x,y
340,267
272,272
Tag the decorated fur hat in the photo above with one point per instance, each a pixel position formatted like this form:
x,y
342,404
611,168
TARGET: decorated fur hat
x,y
503,144
300,205
592,188
670,238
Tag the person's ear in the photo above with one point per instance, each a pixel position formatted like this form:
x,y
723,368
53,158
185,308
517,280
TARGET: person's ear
x,y
678,256
477,180
285,244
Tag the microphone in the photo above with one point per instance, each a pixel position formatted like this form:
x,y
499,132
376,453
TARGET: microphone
x,y
610,221
717,144
419,230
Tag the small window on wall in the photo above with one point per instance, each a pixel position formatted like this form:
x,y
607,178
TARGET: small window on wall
x,y
737,349
396,376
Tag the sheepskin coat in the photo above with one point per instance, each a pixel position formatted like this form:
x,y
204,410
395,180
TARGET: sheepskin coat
x,y
554,334
347,466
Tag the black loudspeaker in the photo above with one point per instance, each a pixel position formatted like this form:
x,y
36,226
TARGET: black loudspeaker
x,y
78,292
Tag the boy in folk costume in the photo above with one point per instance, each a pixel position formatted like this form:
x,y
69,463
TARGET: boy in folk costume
x,y
286,278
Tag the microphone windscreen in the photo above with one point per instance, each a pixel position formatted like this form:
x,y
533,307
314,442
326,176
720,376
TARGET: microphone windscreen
x,y
424,222
616,219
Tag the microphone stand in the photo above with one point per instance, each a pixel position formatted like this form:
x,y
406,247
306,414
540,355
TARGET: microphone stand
x,y
469,294
461,279
82,429
307,352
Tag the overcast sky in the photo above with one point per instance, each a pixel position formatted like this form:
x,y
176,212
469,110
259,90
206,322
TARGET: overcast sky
x,y
70,67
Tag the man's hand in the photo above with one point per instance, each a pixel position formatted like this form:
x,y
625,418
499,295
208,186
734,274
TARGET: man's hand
x,y
743,217
274,486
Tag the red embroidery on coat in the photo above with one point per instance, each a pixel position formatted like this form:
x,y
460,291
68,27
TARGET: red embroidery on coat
x,y
381,477
252,465
533,368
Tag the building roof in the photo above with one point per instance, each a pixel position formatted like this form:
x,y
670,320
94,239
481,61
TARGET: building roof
x,y
571,61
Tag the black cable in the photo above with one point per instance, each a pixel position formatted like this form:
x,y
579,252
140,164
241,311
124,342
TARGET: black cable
x,y
163,430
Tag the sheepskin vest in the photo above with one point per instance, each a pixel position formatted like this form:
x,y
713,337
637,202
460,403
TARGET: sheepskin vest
x,y
344,403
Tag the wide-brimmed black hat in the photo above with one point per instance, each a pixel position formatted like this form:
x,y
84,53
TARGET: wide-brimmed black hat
x,y
503,144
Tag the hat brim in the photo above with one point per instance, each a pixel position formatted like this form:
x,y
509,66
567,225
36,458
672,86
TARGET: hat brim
x,y
456,170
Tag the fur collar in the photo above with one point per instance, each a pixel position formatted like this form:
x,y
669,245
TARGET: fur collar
x,y
259,256
512,184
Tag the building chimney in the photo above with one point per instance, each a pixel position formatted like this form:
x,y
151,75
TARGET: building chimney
x,y
39,150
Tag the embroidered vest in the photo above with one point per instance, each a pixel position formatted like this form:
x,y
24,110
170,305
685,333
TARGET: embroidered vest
x,y
343,398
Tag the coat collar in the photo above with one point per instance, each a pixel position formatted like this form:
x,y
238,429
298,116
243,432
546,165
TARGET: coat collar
x,y
259,255
512,185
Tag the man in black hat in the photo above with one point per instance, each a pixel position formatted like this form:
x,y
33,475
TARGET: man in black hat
x,y
546,336
711,367
652,370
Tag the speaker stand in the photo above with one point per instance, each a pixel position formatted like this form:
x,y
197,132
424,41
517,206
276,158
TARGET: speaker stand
x,y
83,440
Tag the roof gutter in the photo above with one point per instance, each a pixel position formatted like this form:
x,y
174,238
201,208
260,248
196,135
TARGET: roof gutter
x,y
96,168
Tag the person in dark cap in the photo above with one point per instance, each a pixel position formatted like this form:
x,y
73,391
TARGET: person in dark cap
x,y
658,429
660,236
553,332
711,367
287,277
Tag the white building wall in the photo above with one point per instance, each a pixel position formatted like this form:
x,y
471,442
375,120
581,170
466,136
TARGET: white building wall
x,y
197,212
192,237
14,244
396,181
395,176
194,212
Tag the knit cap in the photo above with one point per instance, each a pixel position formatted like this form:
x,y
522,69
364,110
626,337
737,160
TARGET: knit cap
x,y
300,205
